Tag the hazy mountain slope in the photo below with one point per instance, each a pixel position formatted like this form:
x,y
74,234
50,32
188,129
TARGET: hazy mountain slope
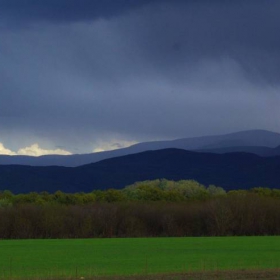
x,y
244,139
230,171
62,160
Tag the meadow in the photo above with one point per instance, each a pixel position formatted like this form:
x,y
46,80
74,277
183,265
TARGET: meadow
x,y
83,258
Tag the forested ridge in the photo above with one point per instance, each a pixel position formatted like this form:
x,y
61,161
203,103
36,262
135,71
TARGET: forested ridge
x,y
144,209
230,171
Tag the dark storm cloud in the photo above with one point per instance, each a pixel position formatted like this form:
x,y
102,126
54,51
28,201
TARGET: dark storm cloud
x,y
184,33
67,10
84,71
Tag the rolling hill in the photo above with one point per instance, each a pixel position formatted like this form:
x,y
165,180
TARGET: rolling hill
x,y
260,142
230,171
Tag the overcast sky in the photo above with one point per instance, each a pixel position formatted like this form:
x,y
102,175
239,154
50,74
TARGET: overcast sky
x,y
82,76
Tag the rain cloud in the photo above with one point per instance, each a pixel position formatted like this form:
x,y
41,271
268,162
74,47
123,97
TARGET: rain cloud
x,y
77,75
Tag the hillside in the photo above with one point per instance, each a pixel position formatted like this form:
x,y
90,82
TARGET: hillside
x,y
260,142
257,150
230,171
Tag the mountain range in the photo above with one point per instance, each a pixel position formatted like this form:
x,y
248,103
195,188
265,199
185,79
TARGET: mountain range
x,y
259,142
230,171
239,160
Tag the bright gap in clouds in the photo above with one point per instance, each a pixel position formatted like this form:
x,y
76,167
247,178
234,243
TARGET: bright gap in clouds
x,y
33,150
4,151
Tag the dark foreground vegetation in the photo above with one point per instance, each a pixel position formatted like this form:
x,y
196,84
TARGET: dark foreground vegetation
x,y
146,209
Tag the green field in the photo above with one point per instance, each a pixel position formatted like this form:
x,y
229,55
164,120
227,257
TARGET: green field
x,y
84,257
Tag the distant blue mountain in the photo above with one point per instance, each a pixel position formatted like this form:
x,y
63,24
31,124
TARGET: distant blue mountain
x,y
230,171
260,142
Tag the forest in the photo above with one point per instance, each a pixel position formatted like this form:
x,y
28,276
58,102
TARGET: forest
x,y
158,208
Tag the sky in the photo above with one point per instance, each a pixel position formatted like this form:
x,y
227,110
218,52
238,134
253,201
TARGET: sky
x,y
91,75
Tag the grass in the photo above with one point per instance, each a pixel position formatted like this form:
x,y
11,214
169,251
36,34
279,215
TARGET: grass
x,y
77,258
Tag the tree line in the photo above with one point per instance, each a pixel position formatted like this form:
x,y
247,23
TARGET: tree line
x,y
155,190
144,209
